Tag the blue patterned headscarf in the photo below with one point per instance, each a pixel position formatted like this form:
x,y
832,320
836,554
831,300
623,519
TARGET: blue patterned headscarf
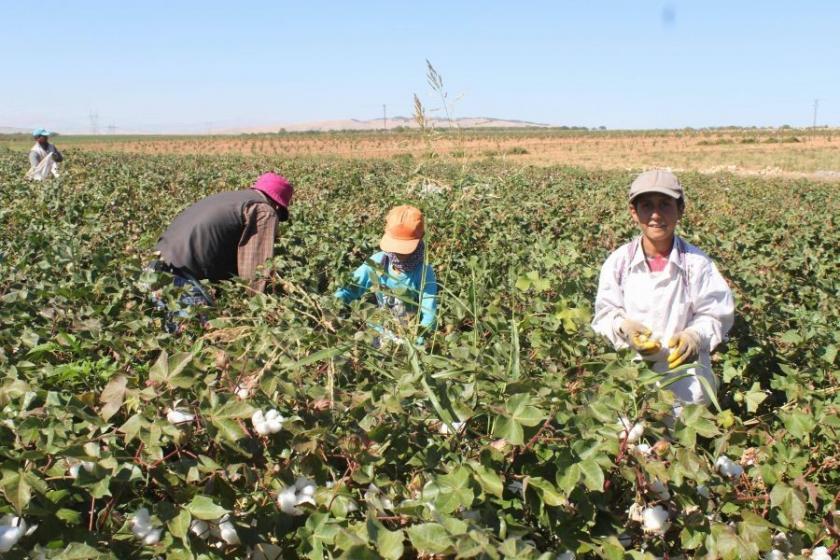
x,y
409,263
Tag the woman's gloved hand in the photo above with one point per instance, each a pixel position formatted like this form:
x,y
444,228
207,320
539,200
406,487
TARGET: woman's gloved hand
x,y
685,347
638,337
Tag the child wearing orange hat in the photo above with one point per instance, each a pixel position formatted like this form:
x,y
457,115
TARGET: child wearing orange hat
x,y
407,282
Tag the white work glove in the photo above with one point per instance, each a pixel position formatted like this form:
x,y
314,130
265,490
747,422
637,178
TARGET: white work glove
x,y
638,337
685,347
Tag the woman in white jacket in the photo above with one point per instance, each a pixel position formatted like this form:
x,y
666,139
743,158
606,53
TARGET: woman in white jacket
x,y
662,296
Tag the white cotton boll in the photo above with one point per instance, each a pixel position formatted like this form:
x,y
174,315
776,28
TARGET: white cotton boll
x,y
274,421
200,528
87,465
629,431
775,554
12,528
820,553
659,489
152,537
141,524
655,520
287,500
727,467
227,532
643,449
635,513
305,486
242,392
179,416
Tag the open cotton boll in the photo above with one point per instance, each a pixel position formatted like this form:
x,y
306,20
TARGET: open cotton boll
x,y
659,489
260,425
200,528
643,449
775,554
274,421
12,528
227,532
629,431
87,465
141,523
655,520
179,416
820,553
287,500
152,537
727,467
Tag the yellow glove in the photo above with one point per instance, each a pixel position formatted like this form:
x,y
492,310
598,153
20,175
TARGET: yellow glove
x,y
638,337
685,346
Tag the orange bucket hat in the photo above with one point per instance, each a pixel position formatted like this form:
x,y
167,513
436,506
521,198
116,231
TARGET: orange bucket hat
x,y
404,228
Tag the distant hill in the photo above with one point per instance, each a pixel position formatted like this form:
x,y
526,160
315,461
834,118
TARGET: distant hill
x,y
393,122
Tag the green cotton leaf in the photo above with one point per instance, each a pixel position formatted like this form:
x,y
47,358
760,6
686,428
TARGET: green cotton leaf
x,y
695,420
791,502
16,490
522,284
430,538
389,544
519,413
830,354
568,479
231,409
179,525
798,424
69,516
754,397
169,371
489,481
755,529
112,396
203,507
230,430
131,428
450,492
549,494
593,476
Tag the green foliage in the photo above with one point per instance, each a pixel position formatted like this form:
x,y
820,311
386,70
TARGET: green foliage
x,y
500,439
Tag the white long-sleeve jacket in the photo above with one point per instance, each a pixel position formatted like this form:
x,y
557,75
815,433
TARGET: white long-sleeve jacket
x,y
689,294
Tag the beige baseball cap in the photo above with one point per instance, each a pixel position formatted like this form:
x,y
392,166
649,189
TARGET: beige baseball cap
x,y
658,181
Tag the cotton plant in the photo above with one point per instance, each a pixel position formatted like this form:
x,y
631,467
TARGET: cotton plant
x,y
266,423
12,529
143,529
655,520
301,492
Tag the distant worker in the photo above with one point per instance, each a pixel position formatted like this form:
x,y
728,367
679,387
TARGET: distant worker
x,y
662,296
43,157
406,282
226,235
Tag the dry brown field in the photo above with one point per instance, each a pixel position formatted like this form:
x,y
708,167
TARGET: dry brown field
x,y
776,152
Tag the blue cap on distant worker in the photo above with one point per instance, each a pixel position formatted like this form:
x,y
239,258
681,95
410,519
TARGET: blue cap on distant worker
x,y
40,132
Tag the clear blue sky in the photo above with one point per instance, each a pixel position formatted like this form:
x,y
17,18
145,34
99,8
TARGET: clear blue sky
x,y
621,64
